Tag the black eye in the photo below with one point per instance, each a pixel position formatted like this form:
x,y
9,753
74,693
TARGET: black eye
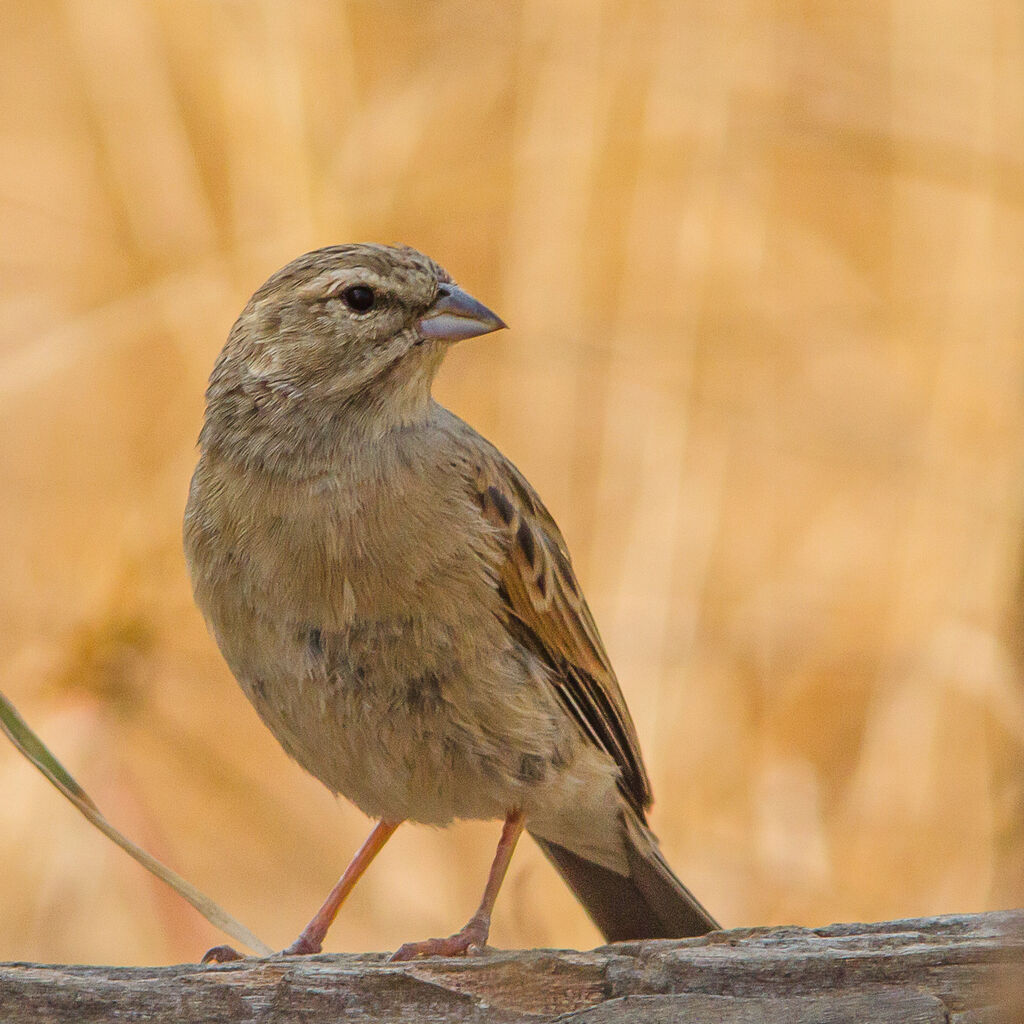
x,y
358,298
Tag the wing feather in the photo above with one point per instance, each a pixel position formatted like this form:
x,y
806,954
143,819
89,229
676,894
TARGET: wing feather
x,y
549,614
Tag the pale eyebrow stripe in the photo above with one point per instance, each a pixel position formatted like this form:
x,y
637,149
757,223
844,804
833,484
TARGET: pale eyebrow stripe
x,y
331,282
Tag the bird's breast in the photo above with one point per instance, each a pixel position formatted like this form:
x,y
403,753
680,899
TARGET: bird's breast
x,y
377,544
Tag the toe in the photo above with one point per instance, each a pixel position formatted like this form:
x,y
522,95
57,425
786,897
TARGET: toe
x,y
470,940
302,947
411,950
221,955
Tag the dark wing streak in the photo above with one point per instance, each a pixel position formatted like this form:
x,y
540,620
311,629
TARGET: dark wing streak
x,y
615,740
549,614
528,639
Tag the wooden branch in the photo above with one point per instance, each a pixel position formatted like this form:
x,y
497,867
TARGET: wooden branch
x,y
963,969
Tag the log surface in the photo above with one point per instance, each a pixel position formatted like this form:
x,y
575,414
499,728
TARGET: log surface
x,y
966,969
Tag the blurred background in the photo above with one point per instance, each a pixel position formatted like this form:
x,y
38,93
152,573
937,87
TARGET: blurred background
x,y
762,265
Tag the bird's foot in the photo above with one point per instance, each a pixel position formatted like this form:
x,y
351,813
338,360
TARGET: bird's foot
x,y
302,946
221,955
472,939
225,954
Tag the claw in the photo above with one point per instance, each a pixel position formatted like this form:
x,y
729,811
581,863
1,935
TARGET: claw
x,y
221,955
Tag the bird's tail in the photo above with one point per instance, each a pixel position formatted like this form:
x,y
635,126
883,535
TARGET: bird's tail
x,y
648,903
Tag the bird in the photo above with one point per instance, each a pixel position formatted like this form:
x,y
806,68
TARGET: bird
x,y
399,606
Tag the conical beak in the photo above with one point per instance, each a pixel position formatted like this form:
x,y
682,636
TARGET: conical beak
x,y
456,315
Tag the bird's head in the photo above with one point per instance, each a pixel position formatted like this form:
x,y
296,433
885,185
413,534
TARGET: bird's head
x,y
350,330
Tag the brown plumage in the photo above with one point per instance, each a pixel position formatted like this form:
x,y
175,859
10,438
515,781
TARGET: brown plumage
x,y
398,604
549,615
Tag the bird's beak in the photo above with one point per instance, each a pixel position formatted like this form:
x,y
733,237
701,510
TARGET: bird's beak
x,y
456,315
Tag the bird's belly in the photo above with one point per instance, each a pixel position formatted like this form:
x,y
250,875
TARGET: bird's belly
x,y
408,723
395,757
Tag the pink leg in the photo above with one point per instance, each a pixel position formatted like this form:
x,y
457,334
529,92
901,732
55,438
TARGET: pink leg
x,y
474,935
312,937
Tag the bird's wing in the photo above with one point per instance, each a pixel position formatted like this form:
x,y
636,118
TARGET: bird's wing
x,y
548,613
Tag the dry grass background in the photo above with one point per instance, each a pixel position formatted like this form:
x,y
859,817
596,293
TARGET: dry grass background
x,y
762,263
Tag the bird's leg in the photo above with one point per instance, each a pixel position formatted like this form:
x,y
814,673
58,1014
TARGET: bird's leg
x,y
312,937
474,935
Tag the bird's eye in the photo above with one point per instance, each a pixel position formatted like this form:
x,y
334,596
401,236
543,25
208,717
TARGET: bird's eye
x,y
359,298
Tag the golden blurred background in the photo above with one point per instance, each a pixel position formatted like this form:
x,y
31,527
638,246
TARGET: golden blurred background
x,y
762,265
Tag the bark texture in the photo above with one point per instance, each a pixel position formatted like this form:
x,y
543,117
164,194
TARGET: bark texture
x,y
965,969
